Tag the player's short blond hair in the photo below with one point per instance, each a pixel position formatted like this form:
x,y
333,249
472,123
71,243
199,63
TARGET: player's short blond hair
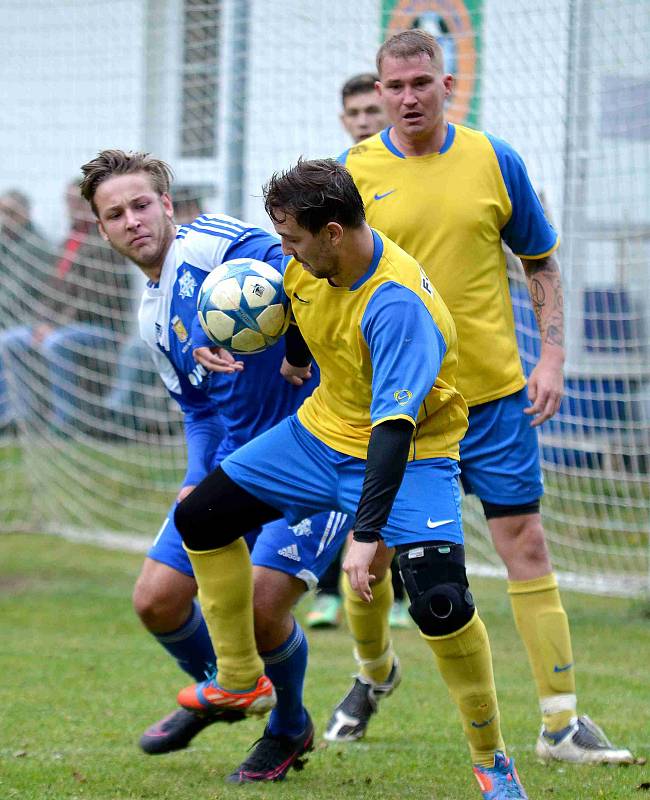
x,y
118,162
407,44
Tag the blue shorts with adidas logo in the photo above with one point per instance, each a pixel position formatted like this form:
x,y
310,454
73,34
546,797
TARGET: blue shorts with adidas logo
x,y
304,550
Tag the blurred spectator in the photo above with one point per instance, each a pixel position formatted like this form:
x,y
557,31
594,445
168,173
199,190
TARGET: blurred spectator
x,y
88,313
188,203
26,260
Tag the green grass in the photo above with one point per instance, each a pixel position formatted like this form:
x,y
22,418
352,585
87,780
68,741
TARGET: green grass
x,y
81,680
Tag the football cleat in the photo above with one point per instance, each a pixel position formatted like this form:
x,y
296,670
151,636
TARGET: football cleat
x,y
501,781
352,715
208,695
325,612
176,730
582,742
272,756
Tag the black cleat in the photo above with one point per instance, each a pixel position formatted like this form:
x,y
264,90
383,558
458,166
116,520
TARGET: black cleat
x,y
273,756
176,730
352,715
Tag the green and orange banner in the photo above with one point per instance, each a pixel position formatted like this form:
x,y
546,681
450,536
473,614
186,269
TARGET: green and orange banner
x,y
456,24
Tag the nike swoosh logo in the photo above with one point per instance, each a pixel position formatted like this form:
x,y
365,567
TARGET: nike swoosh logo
x,y
566,667
482,724
431,524
385,194
300,299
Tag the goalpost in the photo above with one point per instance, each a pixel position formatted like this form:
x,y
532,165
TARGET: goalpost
x,y
228,91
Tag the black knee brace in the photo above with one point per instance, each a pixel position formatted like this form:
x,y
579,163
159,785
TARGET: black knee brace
x,y
218,512
436,582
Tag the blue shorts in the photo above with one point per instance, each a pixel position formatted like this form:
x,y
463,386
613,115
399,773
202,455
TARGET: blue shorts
x,y
304,550
499,456
293,471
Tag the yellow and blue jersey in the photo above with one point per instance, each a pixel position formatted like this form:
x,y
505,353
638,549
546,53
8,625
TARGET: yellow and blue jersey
x,y
386,348
450,210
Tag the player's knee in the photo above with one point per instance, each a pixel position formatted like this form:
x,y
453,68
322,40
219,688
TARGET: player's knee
x,y
217,513
197,519
533,541
159,611
436,582
522,539
265,623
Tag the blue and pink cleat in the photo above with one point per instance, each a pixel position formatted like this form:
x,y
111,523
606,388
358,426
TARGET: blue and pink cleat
x,y
501,781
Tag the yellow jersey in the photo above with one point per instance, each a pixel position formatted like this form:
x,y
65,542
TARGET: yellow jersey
x,y
450,210
386,349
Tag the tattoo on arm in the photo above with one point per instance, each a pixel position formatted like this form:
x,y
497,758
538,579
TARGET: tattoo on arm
x,y
545,287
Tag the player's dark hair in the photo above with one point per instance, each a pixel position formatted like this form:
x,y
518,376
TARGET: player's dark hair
x,y
118,162
413,42
315,193
358,84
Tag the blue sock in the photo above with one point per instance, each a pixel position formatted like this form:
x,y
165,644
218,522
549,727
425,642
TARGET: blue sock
x,y
286,667
190,645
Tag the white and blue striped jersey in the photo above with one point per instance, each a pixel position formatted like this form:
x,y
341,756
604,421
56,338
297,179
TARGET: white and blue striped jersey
x,y
241,405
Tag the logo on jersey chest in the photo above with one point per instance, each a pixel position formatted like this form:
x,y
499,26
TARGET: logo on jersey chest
x,y
197,375
186,284
179,329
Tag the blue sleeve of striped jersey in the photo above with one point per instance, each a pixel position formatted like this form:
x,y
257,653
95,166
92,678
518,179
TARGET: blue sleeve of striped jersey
x,y
198,336
202,435
258,244
406,349
527,232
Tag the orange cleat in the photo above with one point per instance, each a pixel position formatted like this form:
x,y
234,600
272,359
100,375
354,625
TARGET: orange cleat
x,y
209,695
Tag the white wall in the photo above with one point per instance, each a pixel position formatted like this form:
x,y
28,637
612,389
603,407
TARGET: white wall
x,y
525,46
72,83
300,56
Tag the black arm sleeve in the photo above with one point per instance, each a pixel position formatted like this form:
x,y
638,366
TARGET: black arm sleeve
x,y
388,451
296,350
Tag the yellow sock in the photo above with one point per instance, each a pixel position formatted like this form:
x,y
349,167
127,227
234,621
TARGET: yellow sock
x,y
368,623
225,579
465,663
544,628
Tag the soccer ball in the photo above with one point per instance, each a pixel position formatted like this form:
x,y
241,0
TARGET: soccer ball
x,y
242,305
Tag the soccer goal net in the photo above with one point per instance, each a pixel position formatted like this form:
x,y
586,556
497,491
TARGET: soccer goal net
x,y
227,91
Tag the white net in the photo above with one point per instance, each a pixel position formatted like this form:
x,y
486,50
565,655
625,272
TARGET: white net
x,y
228,91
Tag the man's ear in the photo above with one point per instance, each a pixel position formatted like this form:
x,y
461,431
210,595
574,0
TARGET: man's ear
x,y
335,233
167,205
101,230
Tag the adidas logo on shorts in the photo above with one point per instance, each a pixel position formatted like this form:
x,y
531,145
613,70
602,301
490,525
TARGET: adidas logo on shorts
x,y
290,552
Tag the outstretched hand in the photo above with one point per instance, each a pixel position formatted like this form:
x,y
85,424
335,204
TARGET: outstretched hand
x,y
217,359
356,564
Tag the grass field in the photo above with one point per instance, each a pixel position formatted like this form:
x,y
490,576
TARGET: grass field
x,y
80,680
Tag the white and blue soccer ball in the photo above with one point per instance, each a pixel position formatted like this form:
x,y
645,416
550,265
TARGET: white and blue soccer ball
x,y
242,305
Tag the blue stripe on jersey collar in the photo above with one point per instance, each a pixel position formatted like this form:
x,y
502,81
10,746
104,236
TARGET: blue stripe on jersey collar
x,y
449,139
376,256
